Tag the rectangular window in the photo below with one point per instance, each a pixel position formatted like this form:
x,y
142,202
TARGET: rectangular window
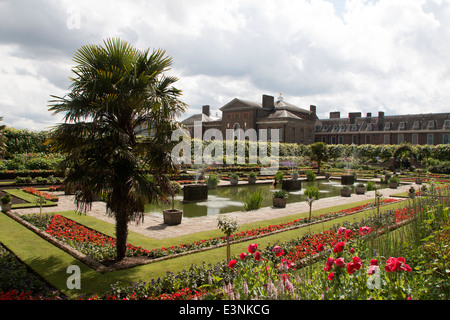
x,y
447,124
431,124
400,138
341,140
415,139
387,139
402,125
430,139
445,138
324,139
333,140
355,139
416,125
368,138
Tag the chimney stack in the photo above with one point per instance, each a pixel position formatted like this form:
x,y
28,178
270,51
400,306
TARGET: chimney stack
x,y
312,109
205,110
335,115
268,102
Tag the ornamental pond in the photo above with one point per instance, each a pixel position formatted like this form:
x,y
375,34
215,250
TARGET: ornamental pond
x,y
225,199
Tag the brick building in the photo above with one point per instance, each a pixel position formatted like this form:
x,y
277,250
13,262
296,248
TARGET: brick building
x,y
294,124
431,128
298,125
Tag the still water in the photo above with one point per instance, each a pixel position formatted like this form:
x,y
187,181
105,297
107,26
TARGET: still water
x,y
230,198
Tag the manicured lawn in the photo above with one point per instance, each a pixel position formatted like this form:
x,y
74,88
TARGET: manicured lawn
x,y
52,263
31,199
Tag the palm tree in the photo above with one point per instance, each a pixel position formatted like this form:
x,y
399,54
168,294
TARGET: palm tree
x,y
116,94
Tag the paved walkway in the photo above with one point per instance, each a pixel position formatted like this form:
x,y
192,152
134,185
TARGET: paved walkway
x,y
154,227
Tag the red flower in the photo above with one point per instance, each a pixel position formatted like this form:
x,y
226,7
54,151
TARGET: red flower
x,y
242,256
350,267
348,233
374,262
320,247
278,251
258,255
364,230
357,263
351,250
395,264
232,263
339,247
331,276
329,264
252,248
339,262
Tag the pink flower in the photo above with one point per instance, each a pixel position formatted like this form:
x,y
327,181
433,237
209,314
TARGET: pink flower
x,y
364,230
395,264
373,269
348,233
252,248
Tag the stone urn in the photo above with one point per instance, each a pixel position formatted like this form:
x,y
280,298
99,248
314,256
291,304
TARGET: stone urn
x,y
172,216
346,192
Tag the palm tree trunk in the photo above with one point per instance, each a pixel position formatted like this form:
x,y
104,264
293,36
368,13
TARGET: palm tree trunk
x,y
121,234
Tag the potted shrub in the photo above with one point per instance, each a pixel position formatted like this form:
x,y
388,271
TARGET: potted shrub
x,y
312,193
393,182
173,216
310,175
412,193
418,180
280,198
234,179
360,188
212,181
6,202
252,178
346,192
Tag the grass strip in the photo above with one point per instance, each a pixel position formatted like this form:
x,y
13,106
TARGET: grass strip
x,y
31,199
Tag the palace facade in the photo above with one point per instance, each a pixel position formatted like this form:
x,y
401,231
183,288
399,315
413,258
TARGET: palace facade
x,y
302,126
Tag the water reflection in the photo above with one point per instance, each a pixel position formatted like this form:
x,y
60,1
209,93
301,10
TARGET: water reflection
x,y
229,199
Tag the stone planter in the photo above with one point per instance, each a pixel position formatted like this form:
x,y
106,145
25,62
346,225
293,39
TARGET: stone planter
x,y
295,176
172,217
279,202
360,190
291,185
234,181
195,192
347,179
251,180
393,185
6,207
346,192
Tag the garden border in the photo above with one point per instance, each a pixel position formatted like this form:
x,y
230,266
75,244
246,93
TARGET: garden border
x,y
99,267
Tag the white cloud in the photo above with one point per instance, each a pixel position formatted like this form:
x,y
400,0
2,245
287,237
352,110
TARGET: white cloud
x,y
362,56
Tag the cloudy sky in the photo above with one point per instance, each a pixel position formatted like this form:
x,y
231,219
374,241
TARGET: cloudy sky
x,y
353,55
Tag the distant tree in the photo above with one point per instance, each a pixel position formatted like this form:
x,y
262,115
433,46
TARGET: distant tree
x,y
118,90
3,139
319,153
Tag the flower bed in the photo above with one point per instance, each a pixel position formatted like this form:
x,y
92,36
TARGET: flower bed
x,y
37,193
102,247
